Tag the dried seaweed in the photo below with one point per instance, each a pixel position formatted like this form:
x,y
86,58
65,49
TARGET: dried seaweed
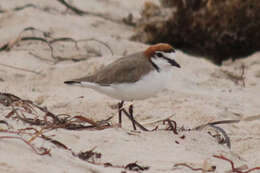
x,y
49,120
90,154
55,142
172,125
40,120
135,167
44,37
72,8
19,8
235,169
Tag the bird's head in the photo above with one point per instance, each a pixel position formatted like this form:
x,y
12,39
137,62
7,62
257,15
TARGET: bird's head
x,y
161,56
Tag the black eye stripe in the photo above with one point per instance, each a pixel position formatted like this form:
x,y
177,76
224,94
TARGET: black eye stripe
x,y
159,54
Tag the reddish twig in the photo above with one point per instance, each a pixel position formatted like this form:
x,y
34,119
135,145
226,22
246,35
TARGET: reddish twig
x,y
19,68
234,169
213,168
172,125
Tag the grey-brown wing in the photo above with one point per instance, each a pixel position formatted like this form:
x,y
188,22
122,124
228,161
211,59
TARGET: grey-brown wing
x,y
124,70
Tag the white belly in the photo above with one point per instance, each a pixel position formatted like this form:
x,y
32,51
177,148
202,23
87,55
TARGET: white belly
x,y
148,86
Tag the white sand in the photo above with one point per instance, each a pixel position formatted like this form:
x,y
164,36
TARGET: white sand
x,y
200,92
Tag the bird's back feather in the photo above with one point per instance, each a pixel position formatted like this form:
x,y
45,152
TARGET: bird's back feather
x,y
127,69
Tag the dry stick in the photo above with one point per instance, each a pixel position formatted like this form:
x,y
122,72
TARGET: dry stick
x,y
215,123
236,78
21,69
243,75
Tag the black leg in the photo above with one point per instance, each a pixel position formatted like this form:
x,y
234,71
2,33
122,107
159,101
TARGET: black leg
x,y
129,115
132,116
133,120
120,106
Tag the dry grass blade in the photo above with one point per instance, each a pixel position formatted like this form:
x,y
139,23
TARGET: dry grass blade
x,y
39,151
211,169
200,127
37,134
251,118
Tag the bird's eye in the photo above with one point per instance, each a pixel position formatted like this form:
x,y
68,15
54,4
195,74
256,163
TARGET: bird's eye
x,y
159,54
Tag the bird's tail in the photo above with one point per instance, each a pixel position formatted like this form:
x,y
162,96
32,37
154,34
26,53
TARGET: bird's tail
x,y
72,82
81,83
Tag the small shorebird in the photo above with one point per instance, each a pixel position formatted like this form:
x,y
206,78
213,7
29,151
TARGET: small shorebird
x,y
133,77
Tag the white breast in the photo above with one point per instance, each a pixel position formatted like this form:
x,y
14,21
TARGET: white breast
x,y
147,86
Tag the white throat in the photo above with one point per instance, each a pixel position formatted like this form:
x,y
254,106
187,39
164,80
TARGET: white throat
x,y
162,63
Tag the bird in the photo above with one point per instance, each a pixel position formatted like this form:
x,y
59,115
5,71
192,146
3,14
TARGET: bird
x,y
137,76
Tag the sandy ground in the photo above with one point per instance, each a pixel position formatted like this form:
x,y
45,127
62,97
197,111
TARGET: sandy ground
x,y
199,92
